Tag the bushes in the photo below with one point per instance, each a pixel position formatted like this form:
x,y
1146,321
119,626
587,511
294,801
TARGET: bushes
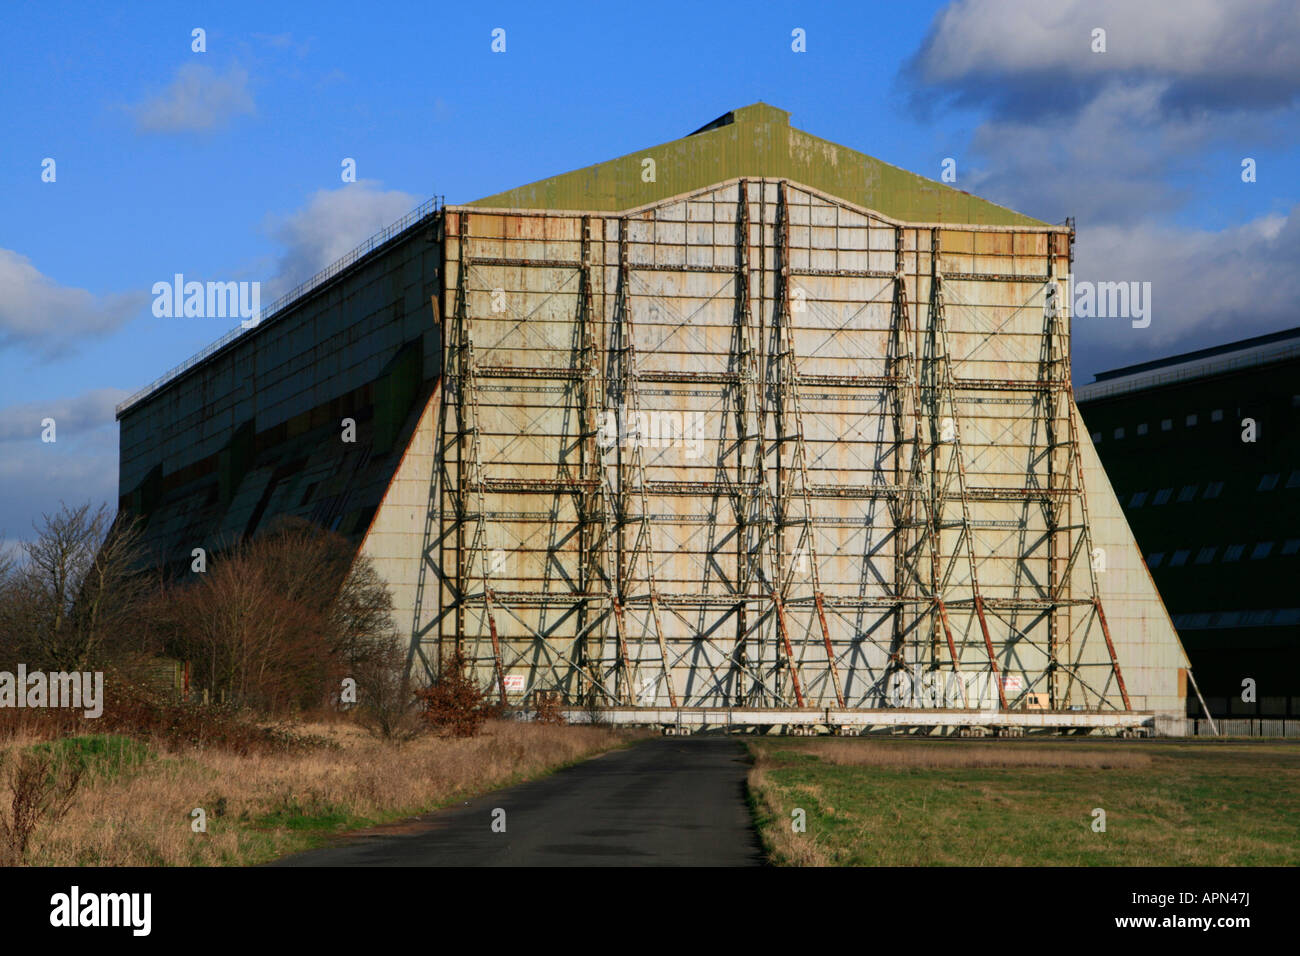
x,y
549,708
188,724
273,623
455,706
271,627
277,623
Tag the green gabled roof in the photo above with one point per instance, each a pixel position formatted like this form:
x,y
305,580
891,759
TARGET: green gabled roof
x,y
757,141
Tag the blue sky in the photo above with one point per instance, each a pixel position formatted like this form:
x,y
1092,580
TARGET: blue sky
x,y
225,164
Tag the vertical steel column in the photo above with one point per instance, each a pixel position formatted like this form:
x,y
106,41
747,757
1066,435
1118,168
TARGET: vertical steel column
x,y
749,453
474,478
939,327
644,545
791,385
779,365
592,530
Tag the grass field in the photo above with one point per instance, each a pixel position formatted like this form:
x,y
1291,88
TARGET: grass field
x,y
945,802
134,805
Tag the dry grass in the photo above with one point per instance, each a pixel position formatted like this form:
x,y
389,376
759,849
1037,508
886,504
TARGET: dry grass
x,y
782,844
264,805
872,753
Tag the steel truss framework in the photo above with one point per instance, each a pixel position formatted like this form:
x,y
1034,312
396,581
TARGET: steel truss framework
x,y
758,448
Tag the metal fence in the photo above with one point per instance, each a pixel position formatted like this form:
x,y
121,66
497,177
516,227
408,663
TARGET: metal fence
x,y
1248,727
1105,389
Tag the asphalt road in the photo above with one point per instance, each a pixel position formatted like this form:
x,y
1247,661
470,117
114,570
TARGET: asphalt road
x,y
668,801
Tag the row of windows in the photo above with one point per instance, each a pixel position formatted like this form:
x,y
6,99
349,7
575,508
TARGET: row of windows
x,y
1265,617
1231,553
1212,490
1167,424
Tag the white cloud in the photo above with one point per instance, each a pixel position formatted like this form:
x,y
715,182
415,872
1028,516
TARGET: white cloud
x,y
198,98
1027,57
1207,287
332,224
50,318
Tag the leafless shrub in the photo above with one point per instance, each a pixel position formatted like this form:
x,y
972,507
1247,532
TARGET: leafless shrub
x,y
41,788
386,701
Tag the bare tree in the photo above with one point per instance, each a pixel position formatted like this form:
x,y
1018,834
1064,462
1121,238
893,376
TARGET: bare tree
x,y
74,597
386,701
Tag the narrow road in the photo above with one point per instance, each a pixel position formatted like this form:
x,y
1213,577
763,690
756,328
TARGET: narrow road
x,y
669,801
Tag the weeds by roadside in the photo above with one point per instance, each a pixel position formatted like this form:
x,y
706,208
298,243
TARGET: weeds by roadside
x,y
135,809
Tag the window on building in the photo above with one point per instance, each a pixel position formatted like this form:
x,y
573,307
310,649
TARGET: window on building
x,y
1119,432
1295,401
1188,492
1268,482
1206,555
1291,546
1261,550
1154,559
1191,420
1096,438
1233,552
1142,428
1162,496
1293,480
1216,415
1167,425
1213,488
1138,500
1179,557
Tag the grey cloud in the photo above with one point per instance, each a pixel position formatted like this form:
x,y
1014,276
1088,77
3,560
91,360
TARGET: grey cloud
x,y
1027,58
52,319
74,415
1206,287
81,465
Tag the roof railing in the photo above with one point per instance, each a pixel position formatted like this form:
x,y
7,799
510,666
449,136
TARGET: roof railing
x,y
271,312
1141,380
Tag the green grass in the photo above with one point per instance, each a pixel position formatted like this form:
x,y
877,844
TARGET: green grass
x,y
100,755
1193,804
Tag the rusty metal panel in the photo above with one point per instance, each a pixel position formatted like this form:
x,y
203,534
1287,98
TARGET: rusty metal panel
x,y
756,446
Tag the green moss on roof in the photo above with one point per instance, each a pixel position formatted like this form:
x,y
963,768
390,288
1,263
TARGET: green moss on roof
x,y
757,141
